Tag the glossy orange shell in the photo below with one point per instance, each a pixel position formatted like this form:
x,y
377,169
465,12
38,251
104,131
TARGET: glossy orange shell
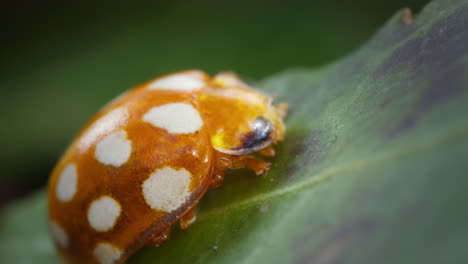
x,y
152,148
147,158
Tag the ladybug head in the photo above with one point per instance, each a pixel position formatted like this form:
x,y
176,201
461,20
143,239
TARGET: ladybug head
x,y
242,120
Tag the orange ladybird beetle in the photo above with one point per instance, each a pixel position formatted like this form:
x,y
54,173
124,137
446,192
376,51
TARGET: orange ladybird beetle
x,y
145,160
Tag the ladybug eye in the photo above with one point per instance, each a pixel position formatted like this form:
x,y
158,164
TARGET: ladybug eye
x,y
261,130
261,135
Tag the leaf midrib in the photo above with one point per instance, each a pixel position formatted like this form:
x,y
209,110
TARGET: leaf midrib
x,y
425,144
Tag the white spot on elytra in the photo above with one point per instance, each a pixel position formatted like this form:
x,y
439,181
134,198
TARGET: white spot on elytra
x,y
58,234
102,126
114,149
107,253
66,184
166,189
181,82
103,213
175,118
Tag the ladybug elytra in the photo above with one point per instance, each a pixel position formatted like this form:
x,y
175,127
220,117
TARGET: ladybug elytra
x,y
145,160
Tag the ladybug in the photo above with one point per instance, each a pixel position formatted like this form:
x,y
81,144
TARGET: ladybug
x,y
145,160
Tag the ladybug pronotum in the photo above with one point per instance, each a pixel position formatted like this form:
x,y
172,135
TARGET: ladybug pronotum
x,y
146,159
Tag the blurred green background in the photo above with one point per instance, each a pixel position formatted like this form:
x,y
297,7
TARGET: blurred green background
x,y
61,61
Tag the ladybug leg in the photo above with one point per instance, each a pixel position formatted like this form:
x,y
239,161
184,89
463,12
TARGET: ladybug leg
x,y
188,218
257,165
225,162
268,151
160,239
218,178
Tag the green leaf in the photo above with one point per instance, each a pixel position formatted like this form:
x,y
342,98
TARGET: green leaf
x,y
373,168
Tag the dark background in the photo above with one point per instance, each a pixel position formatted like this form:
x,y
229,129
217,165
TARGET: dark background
x,y
61,61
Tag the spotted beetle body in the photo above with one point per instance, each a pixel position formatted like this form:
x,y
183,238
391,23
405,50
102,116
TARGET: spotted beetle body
x,y
145,160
